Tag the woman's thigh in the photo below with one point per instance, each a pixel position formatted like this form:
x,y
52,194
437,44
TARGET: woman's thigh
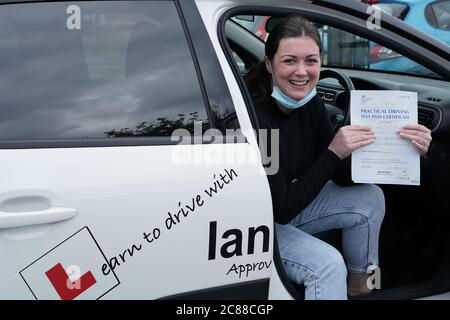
x,y
337,207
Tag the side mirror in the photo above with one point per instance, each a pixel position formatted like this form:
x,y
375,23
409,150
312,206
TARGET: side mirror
x,y
248,18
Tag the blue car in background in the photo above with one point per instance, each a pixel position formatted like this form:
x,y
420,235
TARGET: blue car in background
x,y
429,16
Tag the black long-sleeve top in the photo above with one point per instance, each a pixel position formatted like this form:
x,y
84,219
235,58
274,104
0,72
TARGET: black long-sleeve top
x,y
306,163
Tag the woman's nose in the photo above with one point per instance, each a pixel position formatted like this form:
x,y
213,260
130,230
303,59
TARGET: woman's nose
x,y
300,69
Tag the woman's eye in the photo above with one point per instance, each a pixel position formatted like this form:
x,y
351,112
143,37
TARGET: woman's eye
x,y
312,61
289,61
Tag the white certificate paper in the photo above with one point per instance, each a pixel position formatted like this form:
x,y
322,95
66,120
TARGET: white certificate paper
x,y
389,159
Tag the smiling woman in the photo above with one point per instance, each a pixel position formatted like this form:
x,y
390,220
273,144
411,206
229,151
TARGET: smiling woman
x,y
304,200
349,52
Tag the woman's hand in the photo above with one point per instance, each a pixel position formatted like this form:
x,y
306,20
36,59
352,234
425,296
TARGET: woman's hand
x,y
419,136
350,138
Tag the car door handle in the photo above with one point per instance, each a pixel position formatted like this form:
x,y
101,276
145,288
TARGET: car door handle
x,y
29,218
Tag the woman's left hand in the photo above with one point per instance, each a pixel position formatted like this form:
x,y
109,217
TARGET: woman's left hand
x,y
419,136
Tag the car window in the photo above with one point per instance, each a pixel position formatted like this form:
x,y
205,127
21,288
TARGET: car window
x,y
344,49
85,70
254,24
441,11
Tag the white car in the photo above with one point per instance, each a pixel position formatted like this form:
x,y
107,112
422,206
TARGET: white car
x,y
130,167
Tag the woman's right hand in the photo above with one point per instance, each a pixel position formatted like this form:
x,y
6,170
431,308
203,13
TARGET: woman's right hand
x,y
350,138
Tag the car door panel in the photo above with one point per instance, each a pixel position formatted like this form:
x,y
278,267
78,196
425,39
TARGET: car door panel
x,y
144,214
106,219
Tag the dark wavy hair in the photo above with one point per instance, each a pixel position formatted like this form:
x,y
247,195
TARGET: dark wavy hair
x,y
292,26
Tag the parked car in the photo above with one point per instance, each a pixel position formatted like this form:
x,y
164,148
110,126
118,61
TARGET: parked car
x,y
130,165
429,16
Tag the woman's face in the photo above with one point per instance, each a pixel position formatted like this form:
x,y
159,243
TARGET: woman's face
x,y
296,66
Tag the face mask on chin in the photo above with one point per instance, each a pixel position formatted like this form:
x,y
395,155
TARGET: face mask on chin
x,y
290,103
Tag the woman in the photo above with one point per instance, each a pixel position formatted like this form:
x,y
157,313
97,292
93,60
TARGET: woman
x,y
305,200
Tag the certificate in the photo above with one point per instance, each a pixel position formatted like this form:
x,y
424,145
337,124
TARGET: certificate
x,y
389,159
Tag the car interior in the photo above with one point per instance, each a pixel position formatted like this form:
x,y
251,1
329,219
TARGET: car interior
x,y
414,240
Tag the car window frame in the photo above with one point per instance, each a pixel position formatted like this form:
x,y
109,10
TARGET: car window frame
x,y
384,36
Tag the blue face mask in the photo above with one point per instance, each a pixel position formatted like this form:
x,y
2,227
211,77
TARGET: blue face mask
x,y
289,102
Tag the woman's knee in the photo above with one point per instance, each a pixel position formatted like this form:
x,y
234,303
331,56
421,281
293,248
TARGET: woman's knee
x,y
378,197
374,202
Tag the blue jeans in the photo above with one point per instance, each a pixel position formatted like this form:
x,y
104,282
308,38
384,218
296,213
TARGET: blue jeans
x,y
358,210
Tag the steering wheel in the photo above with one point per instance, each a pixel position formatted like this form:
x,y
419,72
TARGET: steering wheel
x,y
339,115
